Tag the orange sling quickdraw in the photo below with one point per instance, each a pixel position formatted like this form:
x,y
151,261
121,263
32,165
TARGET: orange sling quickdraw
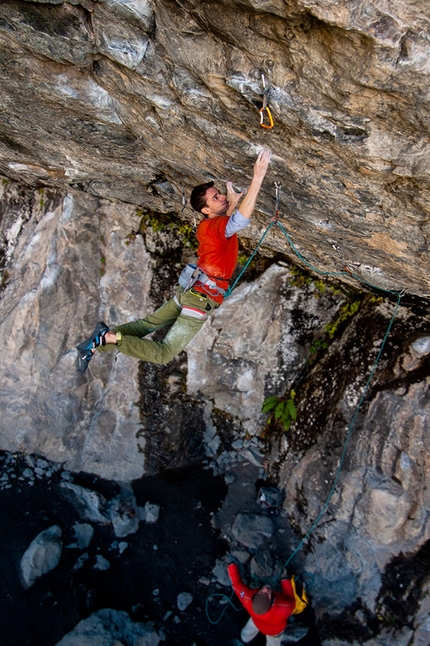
x,y
269,116
265,110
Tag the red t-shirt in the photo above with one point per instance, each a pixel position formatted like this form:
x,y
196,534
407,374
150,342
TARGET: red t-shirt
x,y
274,621
217,255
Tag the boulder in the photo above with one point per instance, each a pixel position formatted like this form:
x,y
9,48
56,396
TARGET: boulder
x,y
123,514
149,513
84,534
101,563
90,504
184,599
253,530
109,627
42,555
264,566
220,573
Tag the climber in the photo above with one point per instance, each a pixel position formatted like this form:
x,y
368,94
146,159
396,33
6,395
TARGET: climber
x,y
268,608
201,287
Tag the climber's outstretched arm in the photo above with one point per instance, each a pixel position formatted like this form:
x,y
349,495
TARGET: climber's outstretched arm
x,y
233,198
260,168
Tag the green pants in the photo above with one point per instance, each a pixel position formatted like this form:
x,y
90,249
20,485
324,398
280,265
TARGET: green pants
x,y
186,313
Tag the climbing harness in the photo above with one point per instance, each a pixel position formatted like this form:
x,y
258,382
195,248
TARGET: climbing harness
x,y
265,110
192,274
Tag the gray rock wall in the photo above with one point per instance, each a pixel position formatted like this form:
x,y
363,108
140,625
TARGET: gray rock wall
x,y
142,100
109,105
256,345
75,258
380,507
72,265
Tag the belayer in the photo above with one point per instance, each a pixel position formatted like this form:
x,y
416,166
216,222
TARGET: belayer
x,y
201,287
268,608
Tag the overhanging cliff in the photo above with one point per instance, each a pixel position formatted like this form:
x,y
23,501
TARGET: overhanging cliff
x,y
139,101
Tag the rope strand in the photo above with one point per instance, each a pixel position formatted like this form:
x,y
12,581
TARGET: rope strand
x,y
348,436
321,272
399,294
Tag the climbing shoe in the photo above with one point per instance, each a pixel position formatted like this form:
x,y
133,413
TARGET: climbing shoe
x,y
87,347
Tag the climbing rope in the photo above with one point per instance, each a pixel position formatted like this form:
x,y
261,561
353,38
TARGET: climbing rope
x,y
348,436
346,272
230,289
399,294
257,581
321,272
228,602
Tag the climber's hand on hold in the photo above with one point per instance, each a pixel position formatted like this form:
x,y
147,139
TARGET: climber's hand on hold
x,y
233,198
261,164
260,169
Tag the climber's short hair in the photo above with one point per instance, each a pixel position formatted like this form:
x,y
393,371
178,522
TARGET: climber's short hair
x,y
198,196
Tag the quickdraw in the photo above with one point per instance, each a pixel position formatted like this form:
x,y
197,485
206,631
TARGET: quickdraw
x,y
265,110
278,186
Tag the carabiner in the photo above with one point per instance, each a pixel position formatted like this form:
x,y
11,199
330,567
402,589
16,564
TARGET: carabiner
x,y
265,108
269,116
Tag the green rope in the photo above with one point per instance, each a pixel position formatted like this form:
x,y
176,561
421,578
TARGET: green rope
x,y
322,272
230,289
348,436
332,273
229,603
273,580
399,295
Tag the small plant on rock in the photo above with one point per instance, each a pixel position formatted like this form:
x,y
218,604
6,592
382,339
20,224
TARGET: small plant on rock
x,y
345,312
317,345
283,411
102,266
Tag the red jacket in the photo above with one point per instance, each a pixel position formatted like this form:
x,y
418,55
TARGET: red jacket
x,y
274,621
217,254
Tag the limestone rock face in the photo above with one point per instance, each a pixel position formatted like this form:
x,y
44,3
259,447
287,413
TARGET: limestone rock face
x,y
74,258
380,506
72,266
142,100
255,345
110,105
75,262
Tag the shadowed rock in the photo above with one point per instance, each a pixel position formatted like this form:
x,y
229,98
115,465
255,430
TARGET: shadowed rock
x,y
252,530
110,627
42,556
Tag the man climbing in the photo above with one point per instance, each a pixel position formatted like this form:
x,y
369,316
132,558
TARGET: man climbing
x,y
268,608
201,288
